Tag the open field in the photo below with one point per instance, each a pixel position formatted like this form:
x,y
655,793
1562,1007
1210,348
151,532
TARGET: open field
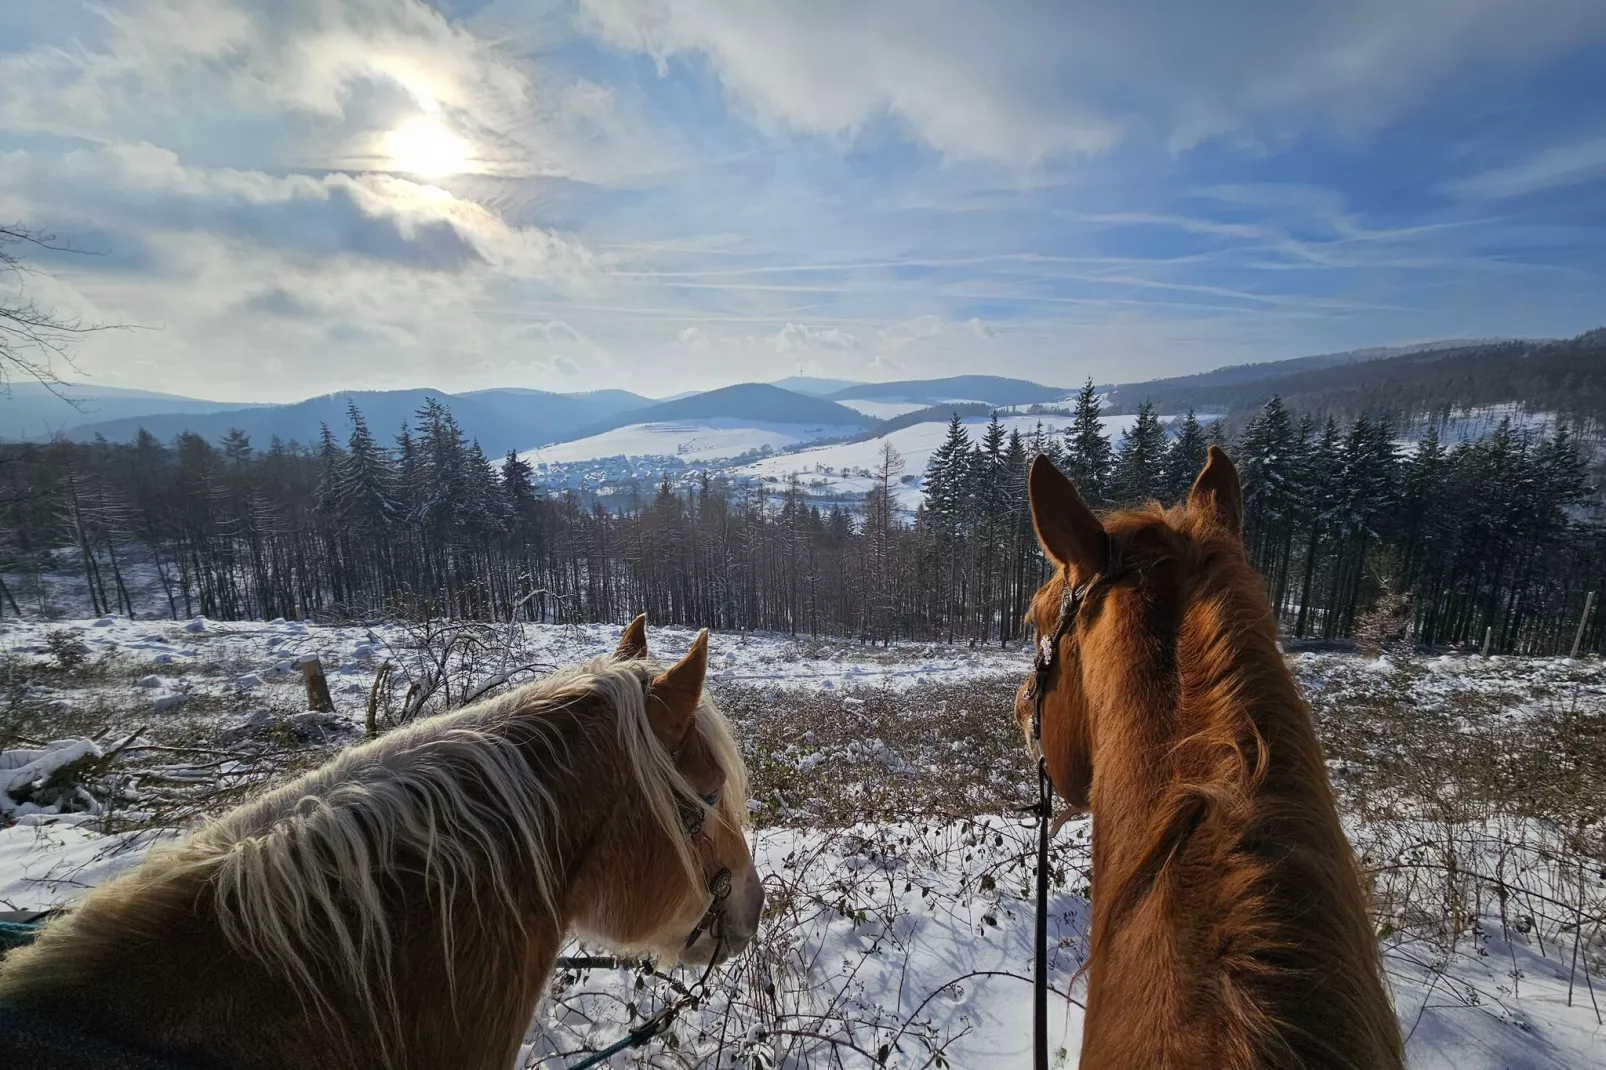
x,y
885,779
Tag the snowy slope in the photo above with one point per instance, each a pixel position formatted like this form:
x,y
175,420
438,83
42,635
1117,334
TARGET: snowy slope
x,y
843,469
887,410
710,439
916,936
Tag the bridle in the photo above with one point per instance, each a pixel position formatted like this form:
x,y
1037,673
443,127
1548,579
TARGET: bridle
x,y
1043,662
695,819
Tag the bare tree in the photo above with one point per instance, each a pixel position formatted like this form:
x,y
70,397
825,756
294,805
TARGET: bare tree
x,y
32,338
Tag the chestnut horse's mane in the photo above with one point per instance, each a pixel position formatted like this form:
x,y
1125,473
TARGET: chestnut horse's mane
x,y
1241,829
299,874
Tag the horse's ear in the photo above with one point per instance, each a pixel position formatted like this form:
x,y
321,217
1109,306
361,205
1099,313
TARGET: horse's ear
x,y
633,644
1066,527
1217,492
676,693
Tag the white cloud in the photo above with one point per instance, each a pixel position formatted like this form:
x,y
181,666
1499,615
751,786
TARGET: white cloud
x,y
1563,165
1021,81
979,327
797,338
551,331
913,331
138,189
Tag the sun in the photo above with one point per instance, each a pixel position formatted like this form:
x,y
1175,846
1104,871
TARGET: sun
x,y
425,148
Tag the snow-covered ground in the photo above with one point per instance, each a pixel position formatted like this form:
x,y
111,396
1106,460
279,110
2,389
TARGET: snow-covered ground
x,y
712,439
844,469
888,409
897,879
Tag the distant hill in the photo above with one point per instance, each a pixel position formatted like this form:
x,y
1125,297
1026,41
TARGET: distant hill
x,y
34,411
807,384
754,402
502,420
1128,396
1565,377
990,389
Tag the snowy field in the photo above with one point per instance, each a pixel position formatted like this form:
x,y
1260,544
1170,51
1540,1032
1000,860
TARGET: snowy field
x,y
898,879
889,409
713,439
844,469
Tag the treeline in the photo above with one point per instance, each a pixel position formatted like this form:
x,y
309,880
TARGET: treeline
x,y
1566,377
1444,545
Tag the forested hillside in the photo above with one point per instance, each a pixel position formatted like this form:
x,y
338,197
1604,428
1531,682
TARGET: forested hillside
x,y
1499,538
1566,377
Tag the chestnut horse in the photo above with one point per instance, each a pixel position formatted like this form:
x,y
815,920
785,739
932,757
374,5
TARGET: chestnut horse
x,y
1229,924
403,905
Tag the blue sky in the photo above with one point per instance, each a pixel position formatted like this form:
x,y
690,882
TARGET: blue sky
x,y
308,195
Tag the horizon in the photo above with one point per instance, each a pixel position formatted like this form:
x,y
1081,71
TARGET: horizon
x,y
668,195
70,385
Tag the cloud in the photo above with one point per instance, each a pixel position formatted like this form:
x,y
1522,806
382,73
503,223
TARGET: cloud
x,y
883,363
1563,165
133,188
801,338
1025,81
913,331
979,327
557,364
277,301
550,331
692,338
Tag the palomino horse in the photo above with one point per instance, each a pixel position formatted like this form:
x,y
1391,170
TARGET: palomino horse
x,y
1229,925
403,905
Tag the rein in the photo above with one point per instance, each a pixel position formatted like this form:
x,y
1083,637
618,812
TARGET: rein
x,y
1043,663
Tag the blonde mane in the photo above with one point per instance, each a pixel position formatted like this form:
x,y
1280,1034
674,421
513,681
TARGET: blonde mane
x,y
299,874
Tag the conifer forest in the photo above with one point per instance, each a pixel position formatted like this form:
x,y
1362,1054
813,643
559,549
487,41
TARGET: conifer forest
x,y
1489,541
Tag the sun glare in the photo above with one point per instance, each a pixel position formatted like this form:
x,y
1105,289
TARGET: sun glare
x,y
425,148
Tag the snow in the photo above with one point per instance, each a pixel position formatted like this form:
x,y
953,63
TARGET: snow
x,y
921,931
887,410
843,469
30,767
706,440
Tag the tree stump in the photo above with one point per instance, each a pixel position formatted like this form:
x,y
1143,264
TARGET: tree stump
x,y
318,699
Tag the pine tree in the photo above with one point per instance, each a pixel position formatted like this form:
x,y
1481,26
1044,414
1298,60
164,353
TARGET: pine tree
x,y
1185,458
330,462
1045,442
1088,458
236,446
365,491
947,481
1322,470
1140,466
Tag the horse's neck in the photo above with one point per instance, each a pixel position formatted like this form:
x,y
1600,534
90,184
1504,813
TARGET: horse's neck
x,y
492,954
1171,894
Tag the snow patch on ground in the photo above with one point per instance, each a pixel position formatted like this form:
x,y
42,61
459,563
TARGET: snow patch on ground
x,y
705,440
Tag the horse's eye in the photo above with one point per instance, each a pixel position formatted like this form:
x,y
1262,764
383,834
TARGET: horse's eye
x,y
713,800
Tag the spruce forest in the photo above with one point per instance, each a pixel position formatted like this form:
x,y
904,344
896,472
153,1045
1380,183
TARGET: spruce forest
x,y
1489,541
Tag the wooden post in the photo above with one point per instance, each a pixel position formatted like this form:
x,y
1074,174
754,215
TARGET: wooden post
x,y
1488,637
1583,622
318,699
